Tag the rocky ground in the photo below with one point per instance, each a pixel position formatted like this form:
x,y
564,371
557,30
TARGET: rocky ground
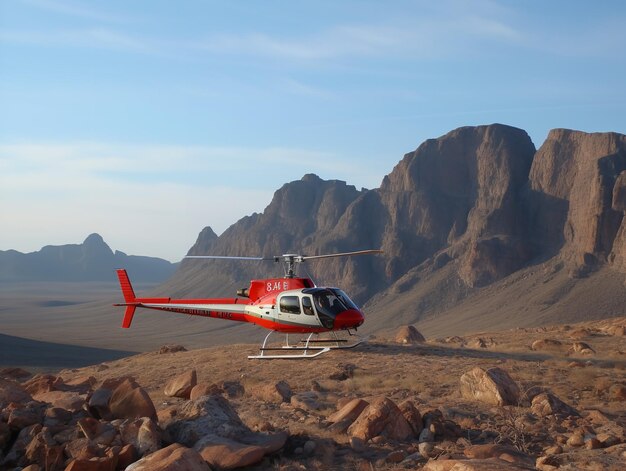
x,y
548,398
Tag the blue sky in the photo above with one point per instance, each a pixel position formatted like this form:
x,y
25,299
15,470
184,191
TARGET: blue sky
x,y
145,121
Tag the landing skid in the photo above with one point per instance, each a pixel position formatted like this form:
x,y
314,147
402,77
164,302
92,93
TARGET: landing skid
x,y
310,348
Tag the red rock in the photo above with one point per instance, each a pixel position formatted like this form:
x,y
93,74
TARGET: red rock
x,y
181,385
130,401
23,417
224,453
11,391
67,400
14,373
98,405
41,383
412,416
80,384
82,449
395,456
344,417
127,455
105,463
548,404
275,392
172,348
203,389
492,386
408,335
142,433
381,417
175,457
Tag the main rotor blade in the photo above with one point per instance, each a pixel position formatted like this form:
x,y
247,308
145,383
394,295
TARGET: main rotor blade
x,y
228,258
344,254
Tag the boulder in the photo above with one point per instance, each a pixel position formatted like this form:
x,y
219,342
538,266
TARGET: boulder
x,y
545,404
502,452
408,335
98,463
308,401
171,348
181,385
412,416
79,384
224,453
15,454
581,348
12,391
211,426
67,400
42,449
143,434
14,373
41,383
97,432
175,457
24,416
344,417
381,417
492,386
204,389
130,401
207,415
275,392
98,405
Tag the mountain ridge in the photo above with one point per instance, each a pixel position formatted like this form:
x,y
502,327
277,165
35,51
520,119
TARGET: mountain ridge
x,y
456,216
93,260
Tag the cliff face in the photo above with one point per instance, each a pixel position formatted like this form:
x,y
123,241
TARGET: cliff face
x,y
576,173
457,215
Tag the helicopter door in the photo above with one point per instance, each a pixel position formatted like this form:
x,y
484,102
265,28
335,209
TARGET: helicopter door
x,y
294,310
309,311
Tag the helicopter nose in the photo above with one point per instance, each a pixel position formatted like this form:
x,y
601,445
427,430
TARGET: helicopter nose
x,y
349,319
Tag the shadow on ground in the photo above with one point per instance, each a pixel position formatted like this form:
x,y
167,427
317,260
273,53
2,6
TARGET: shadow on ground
x,y
27,353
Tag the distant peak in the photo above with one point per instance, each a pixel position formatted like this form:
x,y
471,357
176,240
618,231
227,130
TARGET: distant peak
x,y
208,233
311,177
94,239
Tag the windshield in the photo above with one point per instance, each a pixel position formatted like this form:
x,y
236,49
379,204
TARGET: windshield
x,y
327,304
344,298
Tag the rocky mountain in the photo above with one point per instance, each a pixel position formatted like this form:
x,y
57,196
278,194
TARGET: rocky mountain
x,y
474,212
93,260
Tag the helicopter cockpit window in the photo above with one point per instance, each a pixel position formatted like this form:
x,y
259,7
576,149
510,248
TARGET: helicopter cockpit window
x,y
328,303
290,304
307,306
344,298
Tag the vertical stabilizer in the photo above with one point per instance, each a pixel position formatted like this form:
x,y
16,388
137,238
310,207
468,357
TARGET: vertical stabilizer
x,y
129,297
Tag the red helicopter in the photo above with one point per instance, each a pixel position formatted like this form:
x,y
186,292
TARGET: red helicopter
x,y
290,305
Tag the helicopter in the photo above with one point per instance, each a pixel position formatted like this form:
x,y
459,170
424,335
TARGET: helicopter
x,y
289,305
